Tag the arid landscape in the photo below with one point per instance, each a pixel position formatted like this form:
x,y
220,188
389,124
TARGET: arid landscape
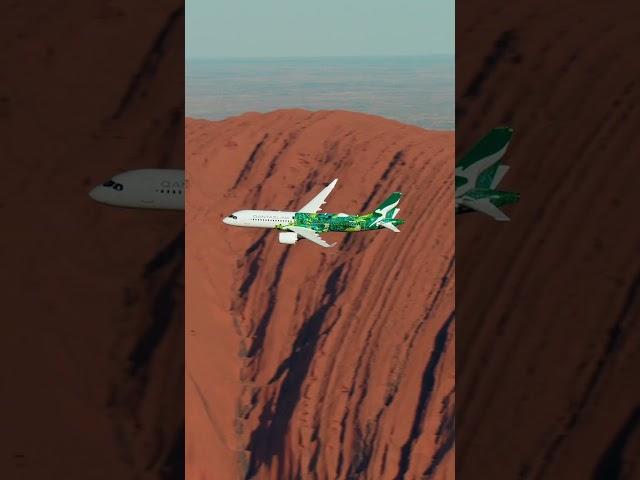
x,y
303,362
547,305
299,359
413,90
92,296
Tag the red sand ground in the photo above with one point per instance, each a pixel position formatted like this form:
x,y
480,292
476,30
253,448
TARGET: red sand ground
x,y
83,96
320,363
548,310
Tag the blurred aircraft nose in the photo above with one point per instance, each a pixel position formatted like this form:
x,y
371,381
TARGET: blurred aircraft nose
x,y
226,220
98,194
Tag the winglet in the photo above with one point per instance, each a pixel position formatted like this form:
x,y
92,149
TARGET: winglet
x,y
314,205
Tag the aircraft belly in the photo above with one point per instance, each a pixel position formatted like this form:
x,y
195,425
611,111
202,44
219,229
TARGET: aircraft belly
x,y
161,203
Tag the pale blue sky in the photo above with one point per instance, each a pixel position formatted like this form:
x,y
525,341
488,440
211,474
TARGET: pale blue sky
x,y
283,28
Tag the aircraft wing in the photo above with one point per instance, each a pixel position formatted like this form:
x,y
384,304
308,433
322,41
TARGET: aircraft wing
x,y
484,205
314,205
311,235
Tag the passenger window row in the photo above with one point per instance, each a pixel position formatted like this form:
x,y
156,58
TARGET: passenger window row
x,y
179,192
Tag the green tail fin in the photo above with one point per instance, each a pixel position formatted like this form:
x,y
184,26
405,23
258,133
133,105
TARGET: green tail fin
x,y
490,178
389,208
494,143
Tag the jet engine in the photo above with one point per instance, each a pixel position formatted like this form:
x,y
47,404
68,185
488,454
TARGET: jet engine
x,y
288,237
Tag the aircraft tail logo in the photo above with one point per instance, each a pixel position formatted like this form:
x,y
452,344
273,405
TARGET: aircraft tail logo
x,y
478,174
387,211
480,167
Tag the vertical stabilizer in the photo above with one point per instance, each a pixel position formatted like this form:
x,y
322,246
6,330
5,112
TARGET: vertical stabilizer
x,y
480,168
388,207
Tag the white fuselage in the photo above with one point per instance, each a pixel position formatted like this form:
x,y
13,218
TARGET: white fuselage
x,y
147,188
259,218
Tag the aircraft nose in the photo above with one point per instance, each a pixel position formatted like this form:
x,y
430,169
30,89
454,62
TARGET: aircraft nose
x,y
226,220
95,194
101,194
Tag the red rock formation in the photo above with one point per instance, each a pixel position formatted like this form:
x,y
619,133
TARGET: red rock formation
x,y
547,305
311,363
92,343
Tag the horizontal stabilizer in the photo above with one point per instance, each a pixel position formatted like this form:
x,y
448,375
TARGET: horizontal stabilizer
x,y
485,206
390,226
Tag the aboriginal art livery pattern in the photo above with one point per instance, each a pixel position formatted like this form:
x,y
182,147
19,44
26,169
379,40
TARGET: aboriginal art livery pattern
x,y
342,222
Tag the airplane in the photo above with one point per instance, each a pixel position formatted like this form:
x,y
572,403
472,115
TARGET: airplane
x,y
478,174
154,188
307,223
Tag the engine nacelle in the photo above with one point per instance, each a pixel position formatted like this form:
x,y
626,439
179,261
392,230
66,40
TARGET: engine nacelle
x,y
288,237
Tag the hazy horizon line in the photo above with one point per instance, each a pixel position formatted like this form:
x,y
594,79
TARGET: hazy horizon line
x,y
317,110
287,57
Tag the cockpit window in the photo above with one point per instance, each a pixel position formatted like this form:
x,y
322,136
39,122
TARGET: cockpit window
x,y
116,186
233,216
